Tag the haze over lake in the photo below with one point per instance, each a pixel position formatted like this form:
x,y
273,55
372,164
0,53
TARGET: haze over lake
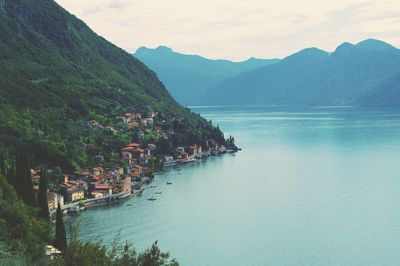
x,y
312,186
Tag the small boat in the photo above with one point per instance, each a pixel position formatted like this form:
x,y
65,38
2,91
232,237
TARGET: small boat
x,y
152,199
169,183
179,173
158,193
153,186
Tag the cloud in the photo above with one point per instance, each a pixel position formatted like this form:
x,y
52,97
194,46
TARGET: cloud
x,y
119,4
235,29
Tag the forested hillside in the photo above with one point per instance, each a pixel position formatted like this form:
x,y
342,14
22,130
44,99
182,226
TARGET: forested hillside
x,y
57,74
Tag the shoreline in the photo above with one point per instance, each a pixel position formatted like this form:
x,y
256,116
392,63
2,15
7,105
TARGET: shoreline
x,y
73,209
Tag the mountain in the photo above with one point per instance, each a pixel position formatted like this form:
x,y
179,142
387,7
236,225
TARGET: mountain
x,y
387,93
187,77
56,74
316,77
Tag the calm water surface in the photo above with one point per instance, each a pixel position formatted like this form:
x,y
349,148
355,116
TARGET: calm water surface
x,y
317,186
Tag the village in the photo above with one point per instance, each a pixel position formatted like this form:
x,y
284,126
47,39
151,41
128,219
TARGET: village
x,y
100,185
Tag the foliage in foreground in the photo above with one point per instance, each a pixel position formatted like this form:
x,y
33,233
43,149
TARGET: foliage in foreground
x,y
23,236
118,254
21,232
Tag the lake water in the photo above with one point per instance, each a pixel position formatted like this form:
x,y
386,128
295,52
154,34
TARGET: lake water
x,y
316,186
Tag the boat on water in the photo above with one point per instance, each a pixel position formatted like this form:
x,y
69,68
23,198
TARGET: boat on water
x,y
179,173
151,199
171,163
158,193
73,210
169,183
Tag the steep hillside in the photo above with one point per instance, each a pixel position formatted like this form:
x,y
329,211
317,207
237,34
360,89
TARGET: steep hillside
x,y
187,77
313,77
56,74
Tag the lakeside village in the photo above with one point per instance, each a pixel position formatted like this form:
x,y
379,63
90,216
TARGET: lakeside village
x,y
100,185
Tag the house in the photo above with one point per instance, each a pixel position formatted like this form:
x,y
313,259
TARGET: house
x,y
149,121
53,199
52,252
134,145
122,186
143,122
79,183
193,150
74,194
105,188
136,171
82,174
129,116
138,154
133,124
99,194
97,170
128,149
93,123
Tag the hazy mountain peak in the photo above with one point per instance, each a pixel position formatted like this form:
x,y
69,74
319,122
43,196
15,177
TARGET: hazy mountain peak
x,y
373,44
344,49
312,54
160,49
163,48
188,76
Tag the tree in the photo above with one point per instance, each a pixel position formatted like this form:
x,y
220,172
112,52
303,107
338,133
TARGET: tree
x,y
164,147
155,257
23,180
10,175
60,241
21,232
2,164
42,196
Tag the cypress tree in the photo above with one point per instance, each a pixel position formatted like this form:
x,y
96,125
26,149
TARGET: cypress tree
x,y
42,197
23,179
61,239
2,164
10,175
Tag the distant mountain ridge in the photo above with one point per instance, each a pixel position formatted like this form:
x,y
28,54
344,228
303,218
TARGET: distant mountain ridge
x,y
366,73
188,77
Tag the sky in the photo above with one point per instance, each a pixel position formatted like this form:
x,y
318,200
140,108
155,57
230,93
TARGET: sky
x,y
237,30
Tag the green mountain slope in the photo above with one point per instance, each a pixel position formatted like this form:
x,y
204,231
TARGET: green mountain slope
x,y
56,73
188,77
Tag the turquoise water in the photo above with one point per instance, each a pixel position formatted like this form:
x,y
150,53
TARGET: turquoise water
x,y
316,186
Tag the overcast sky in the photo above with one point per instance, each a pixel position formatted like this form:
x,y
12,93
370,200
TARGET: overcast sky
x,y
239,29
